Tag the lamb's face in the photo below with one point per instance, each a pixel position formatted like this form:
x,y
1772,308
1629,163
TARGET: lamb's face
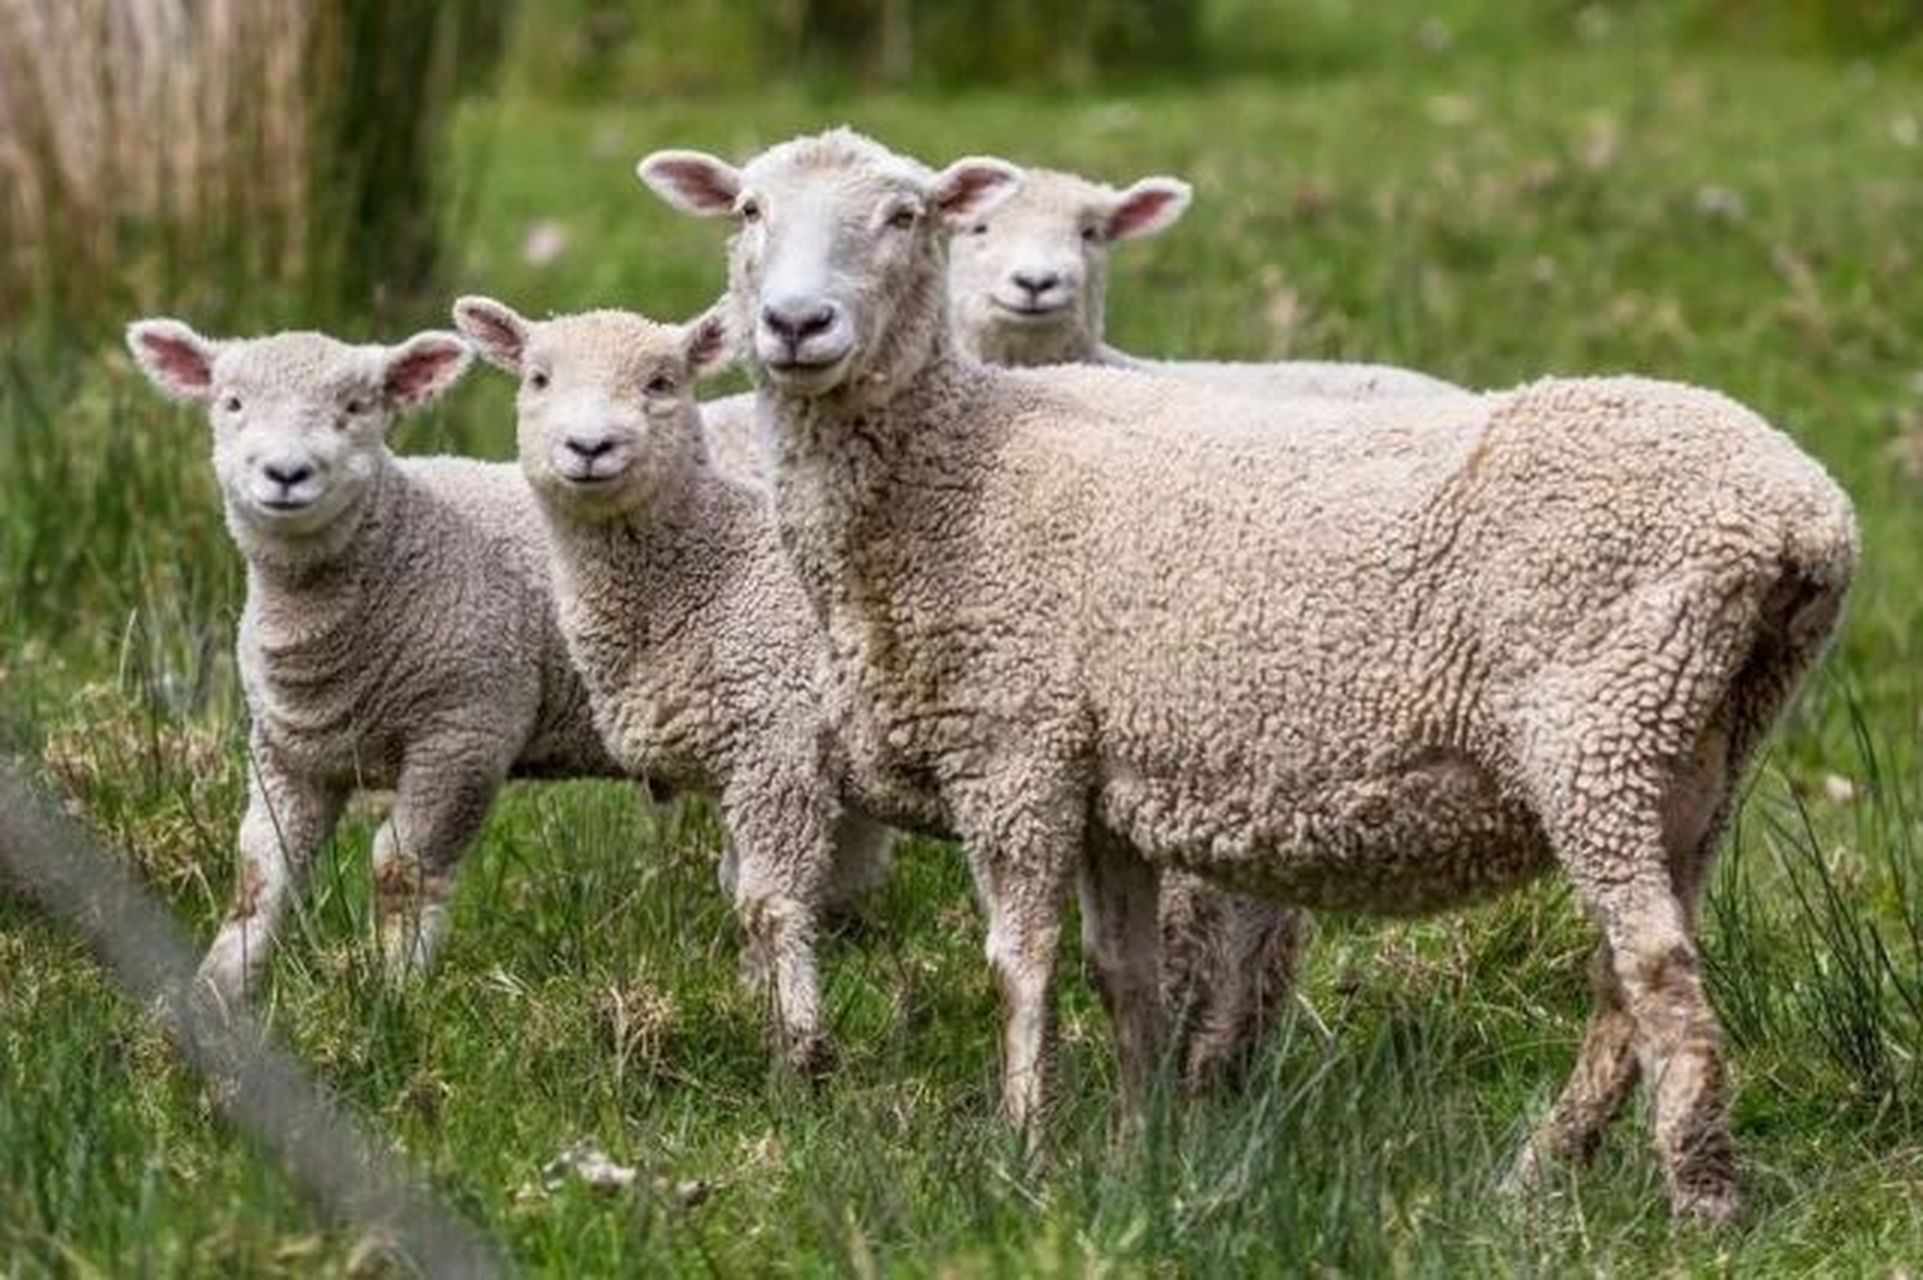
x,y
1026,281
837,259
299,419
606,414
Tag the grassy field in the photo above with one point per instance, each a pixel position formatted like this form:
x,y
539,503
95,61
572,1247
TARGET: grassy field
x,y
1748,223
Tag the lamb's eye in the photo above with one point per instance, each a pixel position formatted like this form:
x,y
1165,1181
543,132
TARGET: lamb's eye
x,y
356,406
538,380
750,211
979,229
231,404
660,385
902,219
1091,233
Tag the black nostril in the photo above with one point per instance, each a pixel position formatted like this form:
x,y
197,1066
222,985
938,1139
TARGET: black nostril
x,y
796,323
1038,281
288,476
589,449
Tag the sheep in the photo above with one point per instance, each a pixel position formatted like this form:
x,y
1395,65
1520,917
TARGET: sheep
x,y
397,632
701,656
1028,283
1389,656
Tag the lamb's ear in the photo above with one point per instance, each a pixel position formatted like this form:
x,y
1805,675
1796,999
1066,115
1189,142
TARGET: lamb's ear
x,y
1150,206
498,331
420,369
175,358
707,343
692,181
969,189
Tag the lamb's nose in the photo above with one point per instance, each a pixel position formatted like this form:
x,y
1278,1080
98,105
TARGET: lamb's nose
x,y
588,448
797,321
1037,282
287,474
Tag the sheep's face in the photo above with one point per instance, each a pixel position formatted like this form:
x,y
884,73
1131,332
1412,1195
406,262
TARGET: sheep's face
x,y
836,268
607,418
299,419
1026,281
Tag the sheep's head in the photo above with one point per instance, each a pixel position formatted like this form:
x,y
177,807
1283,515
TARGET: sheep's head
x,y
606,411
1026,281
836,269
299,419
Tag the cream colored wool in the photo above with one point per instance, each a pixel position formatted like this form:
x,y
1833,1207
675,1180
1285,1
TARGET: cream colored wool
x,y
397,633
701,656
1028,285
1392,656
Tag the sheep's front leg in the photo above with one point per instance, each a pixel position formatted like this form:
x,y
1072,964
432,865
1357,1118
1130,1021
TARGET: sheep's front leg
x,y
439,807
1022,848
288,818
1120,941
782,838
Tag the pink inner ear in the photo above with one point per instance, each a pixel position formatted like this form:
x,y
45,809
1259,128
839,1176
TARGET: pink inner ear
x,y
698,182
420,373
706,343
970,189
1140,212
182,363
502,339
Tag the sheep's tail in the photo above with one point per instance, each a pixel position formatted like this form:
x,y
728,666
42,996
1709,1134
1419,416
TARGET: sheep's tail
x,y
1799,614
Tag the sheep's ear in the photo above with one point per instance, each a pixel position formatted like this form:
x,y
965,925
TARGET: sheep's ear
x,y
175,358
970,189
706,344
692,181
420,369
1150,206
497,331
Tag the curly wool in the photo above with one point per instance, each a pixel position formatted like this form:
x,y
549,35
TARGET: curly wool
x,y
1388,656
408,641
701,656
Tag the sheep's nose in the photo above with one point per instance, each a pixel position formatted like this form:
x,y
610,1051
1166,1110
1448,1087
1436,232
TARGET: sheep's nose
x,y
798,321
1037,281
287,474
588,448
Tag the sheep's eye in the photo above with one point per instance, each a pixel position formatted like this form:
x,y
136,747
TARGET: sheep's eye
x,y
1091,233
902,219
660,385
538,379
750,211
356,406
231,404
979,229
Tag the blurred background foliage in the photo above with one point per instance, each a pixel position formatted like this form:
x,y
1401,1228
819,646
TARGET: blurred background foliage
x,y
164,149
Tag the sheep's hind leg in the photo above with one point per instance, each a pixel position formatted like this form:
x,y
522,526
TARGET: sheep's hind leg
x,y
439,809
287,820
1121,943
1247,970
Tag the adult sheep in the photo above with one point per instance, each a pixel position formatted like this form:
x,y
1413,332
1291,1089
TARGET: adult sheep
x,y
1390,656
398,632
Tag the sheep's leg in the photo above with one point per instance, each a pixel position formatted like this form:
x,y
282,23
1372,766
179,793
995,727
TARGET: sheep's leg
x,y
1248,970
864,855
1119,940
784,856
288,818
439,809
1022,848
1695,812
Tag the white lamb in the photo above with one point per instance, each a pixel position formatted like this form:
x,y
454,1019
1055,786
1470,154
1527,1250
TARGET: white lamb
x,y
398,632
1028,285
702,659
1385,656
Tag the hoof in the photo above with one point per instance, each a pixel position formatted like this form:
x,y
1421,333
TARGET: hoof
x,y
1707,1206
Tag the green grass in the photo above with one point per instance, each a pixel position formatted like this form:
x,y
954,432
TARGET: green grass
x,y
1745,223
